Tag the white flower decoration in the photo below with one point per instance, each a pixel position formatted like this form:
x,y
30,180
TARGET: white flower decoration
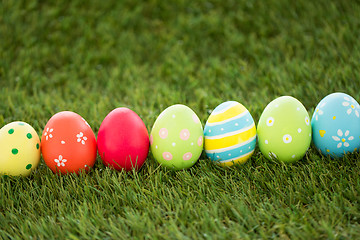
x,y
270,121
341,138
61,161
319,111
353,106
81,138
307,120
287,138
48,133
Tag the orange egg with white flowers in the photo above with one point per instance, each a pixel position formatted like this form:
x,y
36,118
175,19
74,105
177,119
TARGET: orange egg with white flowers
x,y
68,144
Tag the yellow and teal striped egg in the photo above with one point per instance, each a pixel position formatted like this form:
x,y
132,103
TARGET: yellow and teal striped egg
x,y
230,134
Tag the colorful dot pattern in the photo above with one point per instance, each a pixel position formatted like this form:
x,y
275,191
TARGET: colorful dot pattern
x,y
14,151
176,138
20,147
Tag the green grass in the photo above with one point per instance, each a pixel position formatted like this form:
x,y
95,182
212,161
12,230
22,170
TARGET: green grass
x,y
93,56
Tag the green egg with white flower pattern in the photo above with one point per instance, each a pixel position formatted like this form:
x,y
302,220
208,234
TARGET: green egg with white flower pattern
x,y
284,130
176,138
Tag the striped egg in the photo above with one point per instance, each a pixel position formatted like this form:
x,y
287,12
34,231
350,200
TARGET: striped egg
x,y
230,134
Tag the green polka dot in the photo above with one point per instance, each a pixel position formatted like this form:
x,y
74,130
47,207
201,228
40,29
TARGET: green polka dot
x,y
28,166
21,124
37,146
14,151
11,131
29,136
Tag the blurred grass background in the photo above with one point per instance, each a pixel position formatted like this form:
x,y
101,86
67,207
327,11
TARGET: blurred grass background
x,y
93,56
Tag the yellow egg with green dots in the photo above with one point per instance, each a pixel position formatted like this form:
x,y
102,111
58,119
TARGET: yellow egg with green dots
x,y
19,149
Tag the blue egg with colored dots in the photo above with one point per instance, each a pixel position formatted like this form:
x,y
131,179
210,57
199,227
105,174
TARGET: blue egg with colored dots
x,y
336,125
230,134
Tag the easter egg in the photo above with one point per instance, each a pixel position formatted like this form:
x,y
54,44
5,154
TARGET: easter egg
x,y
68,144
284,130
336,125
19,148
123,140
177,137
230,134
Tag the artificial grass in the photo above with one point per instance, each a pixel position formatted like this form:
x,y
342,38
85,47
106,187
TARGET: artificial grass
x,y
91,57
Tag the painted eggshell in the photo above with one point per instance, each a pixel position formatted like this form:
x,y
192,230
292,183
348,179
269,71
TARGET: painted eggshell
x,y
230,134
68,143
284,130
123,140
177,137
19,148
336,125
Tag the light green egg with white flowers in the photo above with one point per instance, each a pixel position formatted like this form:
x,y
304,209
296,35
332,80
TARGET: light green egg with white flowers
x,y
284,130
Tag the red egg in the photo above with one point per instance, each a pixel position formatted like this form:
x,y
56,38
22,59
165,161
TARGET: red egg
x,y
68,144
123,140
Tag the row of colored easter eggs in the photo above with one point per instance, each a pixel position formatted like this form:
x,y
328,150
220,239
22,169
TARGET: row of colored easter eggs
x,y
68,144
284,132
